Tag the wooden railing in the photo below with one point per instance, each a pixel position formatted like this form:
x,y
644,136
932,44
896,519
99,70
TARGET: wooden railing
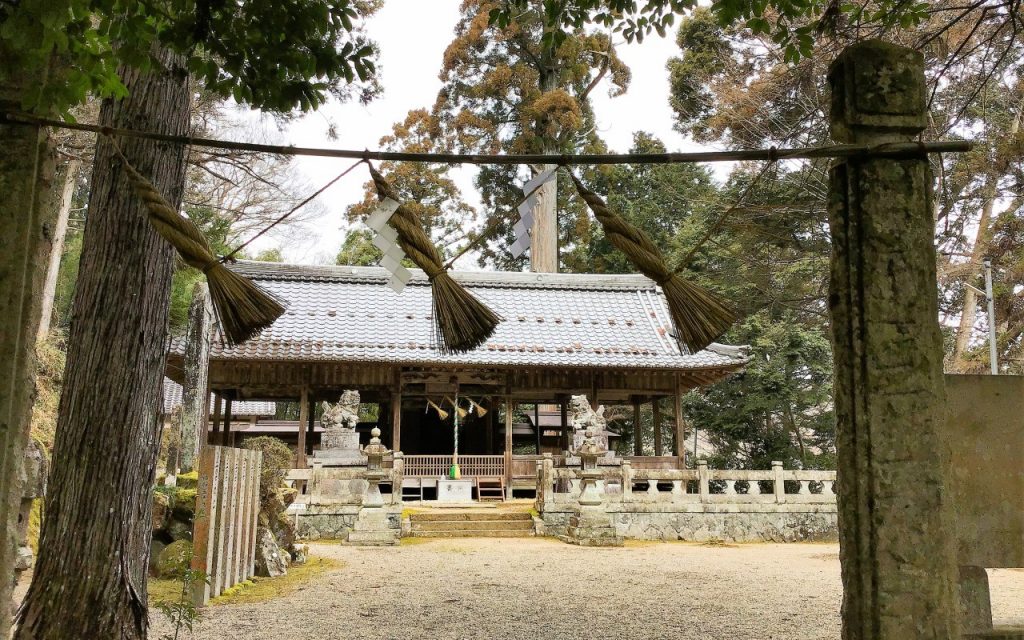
x,y
701,485
469,466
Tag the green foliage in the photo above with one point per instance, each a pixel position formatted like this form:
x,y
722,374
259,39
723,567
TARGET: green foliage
x,y
182,612
358,249
269,255
277,462
276,55
793,25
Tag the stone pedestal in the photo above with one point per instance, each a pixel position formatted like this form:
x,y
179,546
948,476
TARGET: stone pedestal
x,y
975,600
340,448
373,529
592,526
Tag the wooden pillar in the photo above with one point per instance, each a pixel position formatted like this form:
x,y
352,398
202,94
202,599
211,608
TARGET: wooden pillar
x,y
489,428
638,441
310,427
563,408
508,446
217,403
656,412
896,531
300,447
536,425
195,397
229,438
396,419
679,433
544,233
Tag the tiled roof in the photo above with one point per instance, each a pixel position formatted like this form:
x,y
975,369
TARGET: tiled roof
x,y
172,399
549,320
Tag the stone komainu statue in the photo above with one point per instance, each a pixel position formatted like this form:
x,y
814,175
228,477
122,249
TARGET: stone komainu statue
x,y
343,414
583,417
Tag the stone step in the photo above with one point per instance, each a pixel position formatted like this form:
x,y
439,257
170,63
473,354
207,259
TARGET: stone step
x,y
470,516
459,525
473,533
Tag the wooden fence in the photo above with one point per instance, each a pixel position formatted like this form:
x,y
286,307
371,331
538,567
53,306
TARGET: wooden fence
x,y
227,506
469,466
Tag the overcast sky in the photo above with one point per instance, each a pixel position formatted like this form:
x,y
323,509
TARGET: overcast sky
x,y
412,35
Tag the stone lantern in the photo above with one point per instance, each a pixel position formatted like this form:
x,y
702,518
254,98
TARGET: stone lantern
x,y
591,526
590,476
374,452
373,526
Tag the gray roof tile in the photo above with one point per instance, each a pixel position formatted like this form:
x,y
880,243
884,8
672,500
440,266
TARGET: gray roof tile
x,y
561,320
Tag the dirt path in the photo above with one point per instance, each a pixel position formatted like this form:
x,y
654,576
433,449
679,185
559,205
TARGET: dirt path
x,y
537,588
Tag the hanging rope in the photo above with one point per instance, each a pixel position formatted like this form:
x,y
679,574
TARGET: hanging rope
x,y
699,316
461,322
242,308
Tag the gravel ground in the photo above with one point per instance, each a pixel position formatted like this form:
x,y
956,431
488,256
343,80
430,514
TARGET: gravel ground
x,y
538,588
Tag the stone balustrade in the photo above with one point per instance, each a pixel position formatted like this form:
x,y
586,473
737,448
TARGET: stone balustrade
x,y
734,505
702,485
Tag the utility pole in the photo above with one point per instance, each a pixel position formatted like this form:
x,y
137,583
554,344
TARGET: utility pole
x,y
992,355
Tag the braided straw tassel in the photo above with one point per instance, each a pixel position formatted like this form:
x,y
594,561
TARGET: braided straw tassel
x,y
461,322
243,309
699,316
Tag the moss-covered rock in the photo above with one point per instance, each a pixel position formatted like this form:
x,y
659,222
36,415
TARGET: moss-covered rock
x,y
174,559
188,480
184,504
161,510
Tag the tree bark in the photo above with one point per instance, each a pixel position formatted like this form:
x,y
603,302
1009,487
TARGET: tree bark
x,y
69,177
90,579
26,175
195,396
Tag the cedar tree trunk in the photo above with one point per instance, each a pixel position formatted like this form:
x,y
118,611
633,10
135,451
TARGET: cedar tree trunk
x,y
90,579
26,216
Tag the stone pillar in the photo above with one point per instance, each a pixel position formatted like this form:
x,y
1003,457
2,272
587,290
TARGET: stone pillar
x,y
195,398
703,480
896,536
778,484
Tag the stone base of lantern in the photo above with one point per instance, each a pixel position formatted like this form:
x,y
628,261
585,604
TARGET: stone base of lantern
x,y
592,527
373,529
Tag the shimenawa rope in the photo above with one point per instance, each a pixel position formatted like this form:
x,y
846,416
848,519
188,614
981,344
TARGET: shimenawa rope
x,y
242,308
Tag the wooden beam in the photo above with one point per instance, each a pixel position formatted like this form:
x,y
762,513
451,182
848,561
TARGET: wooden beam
x,y
638,442
656,411
300,449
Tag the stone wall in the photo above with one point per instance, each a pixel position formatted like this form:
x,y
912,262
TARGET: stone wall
x,y
334,521
700,523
